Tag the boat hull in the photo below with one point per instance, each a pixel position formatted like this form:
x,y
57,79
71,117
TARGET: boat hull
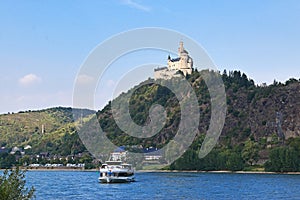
x,y
116,179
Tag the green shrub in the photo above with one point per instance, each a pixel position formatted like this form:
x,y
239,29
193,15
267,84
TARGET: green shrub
x,y
12,186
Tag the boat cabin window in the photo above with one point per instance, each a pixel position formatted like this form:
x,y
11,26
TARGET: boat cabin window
x,y
103,166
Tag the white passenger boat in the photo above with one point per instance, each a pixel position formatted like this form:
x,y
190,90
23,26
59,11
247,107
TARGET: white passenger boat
x,y
116,172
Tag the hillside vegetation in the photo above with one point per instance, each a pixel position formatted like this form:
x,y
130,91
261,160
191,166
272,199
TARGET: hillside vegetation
x,y
51,130
262,125
260,120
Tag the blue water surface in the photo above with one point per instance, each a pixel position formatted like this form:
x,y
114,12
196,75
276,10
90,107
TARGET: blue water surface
x,y
84,185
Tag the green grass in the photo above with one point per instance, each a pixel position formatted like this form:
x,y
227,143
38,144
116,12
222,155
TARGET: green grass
x,y
255,168
152,167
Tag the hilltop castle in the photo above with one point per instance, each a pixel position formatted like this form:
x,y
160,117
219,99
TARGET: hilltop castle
x,y
183,63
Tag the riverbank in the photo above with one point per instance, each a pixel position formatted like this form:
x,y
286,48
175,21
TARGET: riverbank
x,y
217,172
56,169
155,171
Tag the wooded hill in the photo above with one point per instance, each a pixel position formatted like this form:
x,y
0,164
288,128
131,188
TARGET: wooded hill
x,y
259,119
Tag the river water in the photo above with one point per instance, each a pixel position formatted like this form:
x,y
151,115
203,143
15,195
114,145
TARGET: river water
x,y
84,185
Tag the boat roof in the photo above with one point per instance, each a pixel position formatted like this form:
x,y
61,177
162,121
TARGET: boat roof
x,y
116,163
127,164
113,162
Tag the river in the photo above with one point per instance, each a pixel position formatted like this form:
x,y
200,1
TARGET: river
x,y
157,185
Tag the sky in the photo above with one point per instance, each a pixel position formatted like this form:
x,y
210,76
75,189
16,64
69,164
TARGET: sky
x,y
43,44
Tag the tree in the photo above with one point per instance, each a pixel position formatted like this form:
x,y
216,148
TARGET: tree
x,y
7,160
250,152
234,161
12,186
283,159
25,160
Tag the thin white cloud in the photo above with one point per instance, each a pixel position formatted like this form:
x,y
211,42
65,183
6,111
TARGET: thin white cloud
x,y
136,5
29,79
85,79
110,83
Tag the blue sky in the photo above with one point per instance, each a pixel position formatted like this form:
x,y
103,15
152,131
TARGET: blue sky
x,y
44,43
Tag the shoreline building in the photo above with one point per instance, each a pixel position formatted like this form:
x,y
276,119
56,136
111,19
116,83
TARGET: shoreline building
x,y
183,63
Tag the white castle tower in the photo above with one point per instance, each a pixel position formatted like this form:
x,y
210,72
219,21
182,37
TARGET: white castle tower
x,y
183,63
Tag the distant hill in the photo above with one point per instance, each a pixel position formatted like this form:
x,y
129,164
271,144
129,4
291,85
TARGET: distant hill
x,y
50,130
